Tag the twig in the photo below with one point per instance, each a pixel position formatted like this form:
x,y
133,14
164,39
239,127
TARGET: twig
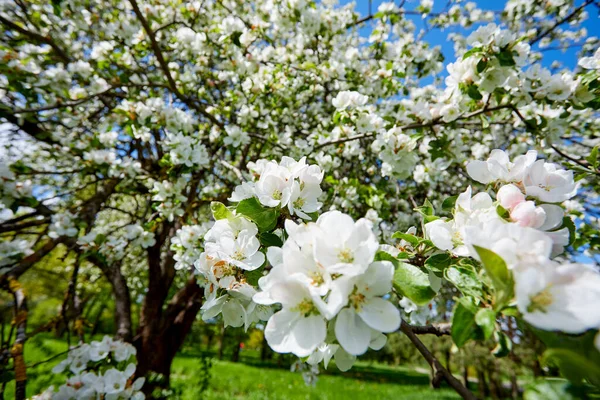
x,y
165,66
560,22
37,37
437,121
436,329
439,372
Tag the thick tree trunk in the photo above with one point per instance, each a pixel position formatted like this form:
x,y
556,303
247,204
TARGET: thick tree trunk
x,y
235,356
222,342
159,340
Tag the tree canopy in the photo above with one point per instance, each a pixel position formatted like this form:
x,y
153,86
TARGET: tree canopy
x,y
270,163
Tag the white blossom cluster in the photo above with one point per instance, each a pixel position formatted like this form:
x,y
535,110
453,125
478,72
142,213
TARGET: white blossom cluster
x,y
11,188
231,247
524,226
186,150
330,290
63,224
138,236
169,196
98,370
187,244
289,183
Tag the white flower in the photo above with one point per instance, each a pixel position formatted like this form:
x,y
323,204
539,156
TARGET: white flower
x,y
358,325
349,99
298,328
324,352
498,167
468,211
114,381
545,181
100,350
303,199
241,192
559,297
591,62
241,250
515,244
122,351
273,189
345,247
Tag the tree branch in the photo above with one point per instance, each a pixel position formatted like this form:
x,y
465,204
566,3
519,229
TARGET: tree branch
x,y
437,121
573,14
38,38
439,372
435,329
165,66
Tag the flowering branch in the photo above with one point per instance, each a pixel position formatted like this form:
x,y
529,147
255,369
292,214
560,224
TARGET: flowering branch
x,y
573,14
434,122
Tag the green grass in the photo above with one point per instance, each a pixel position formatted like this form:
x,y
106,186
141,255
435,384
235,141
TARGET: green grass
x,y
261,382
253,380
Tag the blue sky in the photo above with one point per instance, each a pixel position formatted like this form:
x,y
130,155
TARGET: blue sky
x,y
437,37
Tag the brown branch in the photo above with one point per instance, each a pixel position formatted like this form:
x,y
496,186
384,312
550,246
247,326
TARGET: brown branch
x,y
17,227
164,65
573,14
439,372
436,329
575,160
437,121
38,38
61,105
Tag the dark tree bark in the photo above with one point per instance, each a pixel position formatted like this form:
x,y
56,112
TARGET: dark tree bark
x,y
161,333
222,342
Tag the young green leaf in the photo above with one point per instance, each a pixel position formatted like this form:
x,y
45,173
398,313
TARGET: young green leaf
x,y
412,282
265,218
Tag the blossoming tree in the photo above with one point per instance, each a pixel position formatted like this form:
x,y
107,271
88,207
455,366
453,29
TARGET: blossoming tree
x,y
265,162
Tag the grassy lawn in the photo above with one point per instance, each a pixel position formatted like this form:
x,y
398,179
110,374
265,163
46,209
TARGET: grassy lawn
x,y
260,382
253,380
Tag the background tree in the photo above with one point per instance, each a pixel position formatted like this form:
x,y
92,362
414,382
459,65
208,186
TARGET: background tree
x,y
125,120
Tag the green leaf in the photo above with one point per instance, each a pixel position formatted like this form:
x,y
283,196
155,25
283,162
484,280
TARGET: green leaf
x,y
481,65
570,225
472,51
412,282
503,344
235,38
464,327
486,320
502,212
438,263
220,211
573,366
100,238
252,277
465,279
506,59
448,203
473,92
427,211
412,239
265,218
501,278
544,389
383,256
269,239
